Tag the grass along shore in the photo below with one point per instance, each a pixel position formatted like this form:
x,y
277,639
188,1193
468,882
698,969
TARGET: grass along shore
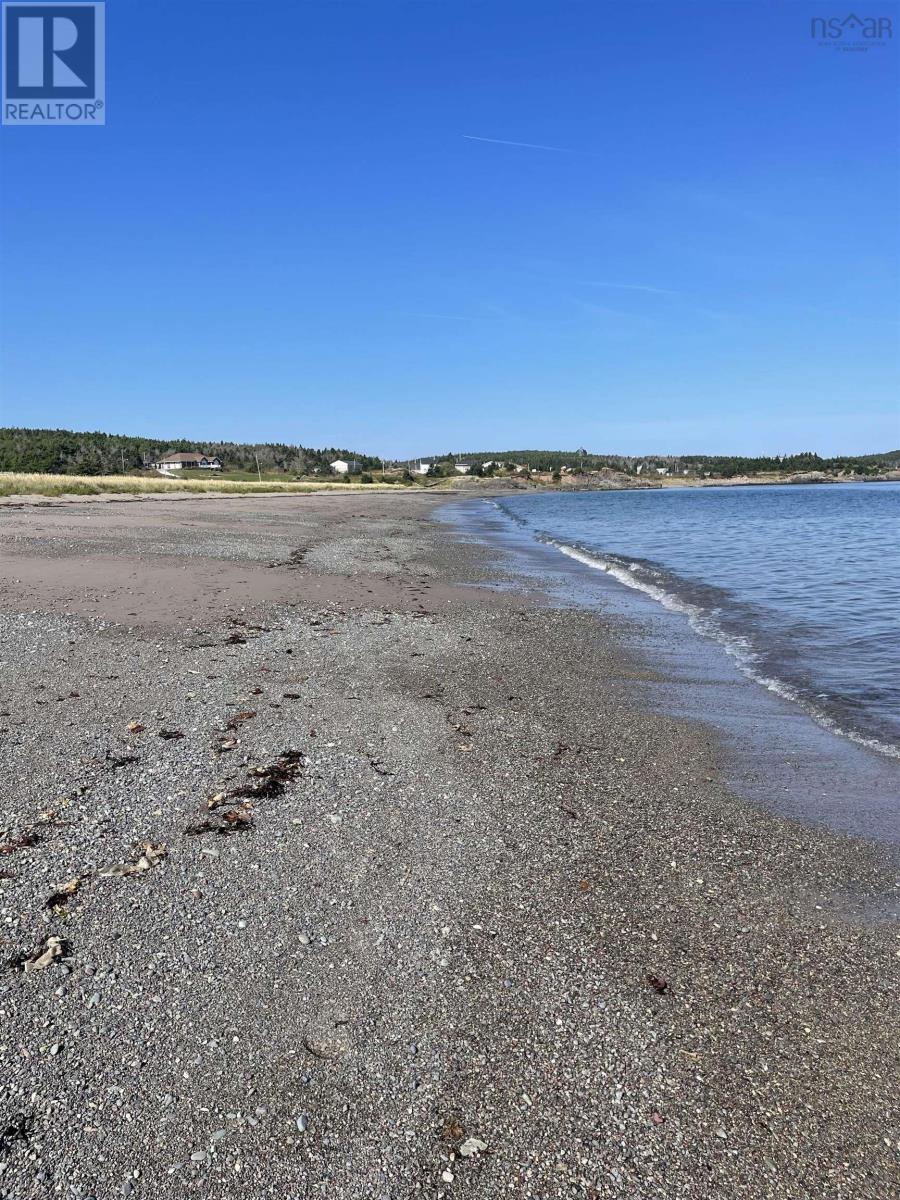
x,y
16,483
35,483
27,483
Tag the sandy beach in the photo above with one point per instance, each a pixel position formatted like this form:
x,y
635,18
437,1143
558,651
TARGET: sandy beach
x,y
327,870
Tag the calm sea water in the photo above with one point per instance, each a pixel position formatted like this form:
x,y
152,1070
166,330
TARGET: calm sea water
x,y
801,584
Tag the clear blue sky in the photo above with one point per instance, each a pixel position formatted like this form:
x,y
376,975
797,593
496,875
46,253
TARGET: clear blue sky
x,y
287,230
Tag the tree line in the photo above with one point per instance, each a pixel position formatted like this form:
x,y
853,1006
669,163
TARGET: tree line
x,y
724,466
64,452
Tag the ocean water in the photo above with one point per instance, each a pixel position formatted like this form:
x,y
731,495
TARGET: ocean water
x,y
800,584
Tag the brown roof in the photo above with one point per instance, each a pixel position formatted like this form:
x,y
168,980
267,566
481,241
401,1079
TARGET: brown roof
x,y
195,456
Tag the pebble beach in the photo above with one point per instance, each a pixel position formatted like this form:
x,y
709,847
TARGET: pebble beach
x,y
328,869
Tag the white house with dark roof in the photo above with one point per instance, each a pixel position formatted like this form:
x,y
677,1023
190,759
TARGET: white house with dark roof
x,y
191,460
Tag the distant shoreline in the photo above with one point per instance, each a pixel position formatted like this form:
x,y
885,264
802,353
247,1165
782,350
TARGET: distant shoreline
x,y
18,488
793,480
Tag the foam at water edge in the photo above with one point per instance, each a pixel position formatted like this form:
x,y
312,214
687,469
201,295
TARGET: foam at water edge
x,y
633,575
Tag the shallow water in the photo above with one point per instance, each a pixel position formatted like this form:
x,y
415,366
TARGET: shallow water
x,y
777,752
801,585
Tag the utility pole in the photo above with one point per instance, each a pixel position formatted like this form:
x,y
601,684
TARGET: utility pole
x,y
122,452
258,471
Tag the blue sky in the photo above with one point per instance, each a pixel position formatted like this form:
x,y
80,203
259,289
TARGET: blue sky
x,y
289,230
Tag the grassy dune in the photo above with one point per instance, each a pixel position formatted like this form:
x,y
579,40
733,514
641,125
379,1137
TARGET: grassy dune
x,y
15,483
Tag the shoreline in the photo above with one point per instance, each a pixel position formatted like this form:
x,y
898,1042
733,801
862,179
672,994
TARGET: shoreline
x,y
816,771
501,897
455,488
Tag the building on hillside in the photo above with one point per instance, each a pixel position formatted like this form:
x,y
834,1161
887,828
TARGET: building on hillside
x,y
421,468
463,468
339,467
191,460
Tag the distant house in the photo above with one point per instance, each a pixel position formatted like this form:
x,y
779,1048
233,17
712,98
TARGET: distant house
x,y
421,468
662,470
463,468
339,467
191,460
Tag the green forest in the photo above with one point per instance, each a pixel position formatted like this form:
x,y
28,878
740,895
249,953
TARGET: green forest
x,y
63,452
724,466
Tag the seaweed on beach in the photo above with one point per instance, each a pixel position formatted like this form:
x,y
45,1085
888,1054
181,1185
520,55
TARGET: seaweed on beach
x,y
225,817
266,788
271,781
292,562
22,842
145,856
232,820
238,719
18,1129
122,760
236,637
58,902
43,956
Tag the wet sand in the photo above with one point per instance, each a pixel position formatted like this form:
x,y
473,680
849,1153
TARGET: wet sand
x,y
472,887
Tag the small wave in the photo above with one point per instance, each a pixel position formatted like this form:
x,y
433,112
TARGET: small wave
x,y
646,579
509,512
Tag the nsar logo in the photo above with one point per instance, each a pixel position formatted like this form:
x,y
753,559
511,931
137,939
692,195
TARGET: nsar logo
x,y
54,64
851,32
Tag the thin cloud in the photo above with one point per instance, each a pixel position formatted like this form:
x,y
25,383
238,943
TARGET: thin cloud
x,y
471,137
620,321
433,316
630,287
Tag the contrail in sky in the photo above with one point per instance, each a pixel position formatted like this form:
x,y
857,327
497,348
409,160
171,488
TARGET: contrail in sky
x,y
524,145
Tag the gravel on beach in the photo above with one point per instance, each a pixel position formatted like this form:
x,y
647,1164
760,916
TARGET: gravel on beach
x,y
327,872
